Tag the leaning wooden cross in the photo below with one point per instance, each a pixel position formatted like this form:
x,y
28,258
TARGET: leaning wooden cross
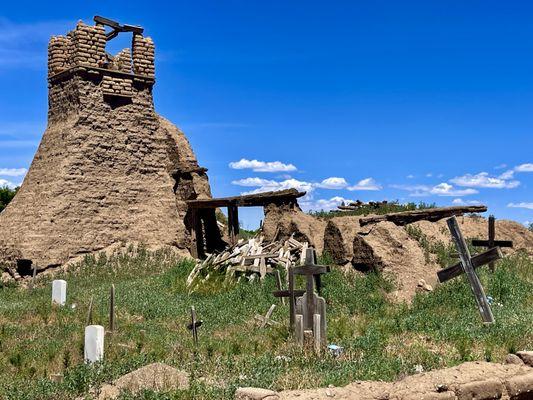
x,y
492,242
468,265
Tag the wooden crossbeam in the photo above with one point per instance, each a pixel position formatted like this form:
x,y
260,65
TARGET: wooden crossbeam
x,y
495,243
287,293
477,261
466,262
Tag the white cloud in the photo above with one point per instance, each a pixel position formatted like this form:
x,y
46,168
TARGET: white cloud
x,y
442,189
266,185
7,183
501,166
529,206
507,175
460,201
528,167
445,189
13,171
324,204
365,184
429,175
411,176
333,183
262,166
483,180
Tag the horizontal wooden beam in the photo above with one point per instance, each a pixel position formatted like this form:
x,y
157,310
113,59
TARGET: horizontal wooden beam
x,y
481,259
249,200
429,214
287,293
497,243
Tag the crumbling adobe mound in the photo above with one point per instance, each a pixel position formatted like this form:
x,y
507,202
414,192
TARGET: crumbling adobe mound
x,y
476,228
382,247
283,221
386,247
471,380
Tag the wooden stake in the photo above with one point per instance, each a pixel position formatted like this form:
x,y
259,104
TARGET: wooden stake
x,y
278,284
299,330
292,300
194,327
34,274
112,309
316,333
492,236
90,313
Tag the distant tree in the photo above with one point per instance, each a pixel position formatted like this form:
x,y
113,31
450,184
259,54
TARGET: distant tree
x,y
530,227
6,195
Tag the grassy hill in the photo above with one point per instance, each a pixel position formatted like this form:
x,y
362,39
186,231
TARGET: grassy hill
x,y
381,340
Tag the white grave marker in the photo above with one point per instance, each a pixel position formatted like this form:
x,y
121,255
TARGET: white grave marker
x,y
59,292
94,343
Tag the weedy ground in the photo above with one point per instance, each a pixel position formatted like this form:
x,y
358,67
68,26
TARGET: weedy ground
x,y
381,340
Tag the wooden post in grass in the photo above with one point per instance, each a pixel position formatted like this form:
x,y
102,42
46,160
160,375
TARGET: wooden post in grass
x,y
33,275
468,267
492,242
90,313
112,309
194,325
278,285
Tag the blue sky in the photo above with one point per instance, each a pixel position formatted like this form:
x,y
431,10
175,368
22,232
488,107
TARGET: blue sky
x,y
413,100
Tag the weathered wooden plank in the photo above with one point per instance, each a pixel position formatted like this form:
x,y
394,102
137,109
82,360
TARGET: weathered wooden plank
x,y
477,261
310,270
250,200
495,243
475,284
430,214
287,293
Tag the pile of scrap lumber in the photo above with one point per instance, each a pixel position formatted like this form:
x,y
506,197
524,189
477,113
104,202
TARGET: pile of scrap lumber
x,y
251,259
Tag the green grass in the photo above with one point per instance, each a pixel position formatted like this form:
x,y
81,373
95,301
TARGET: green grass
x,y
381,340
6,195
390,207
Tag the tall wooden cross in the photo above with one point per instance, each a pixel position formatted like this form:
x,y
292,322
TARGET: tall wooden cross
x,y
312,272
468,265
492,242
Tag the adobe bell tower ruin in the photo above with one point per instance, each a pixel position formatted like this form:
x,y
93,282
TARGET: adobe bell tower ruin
x,y
109,170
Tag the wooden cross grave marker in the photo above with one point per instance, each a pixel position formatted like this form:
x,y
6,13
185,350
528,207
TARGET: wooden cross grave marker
x,y
194,325
467,264
264,321
492,242
312,271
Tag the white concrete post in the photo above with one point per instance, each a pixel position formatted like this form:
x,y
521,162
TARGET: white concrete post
x,y
94,343
59,292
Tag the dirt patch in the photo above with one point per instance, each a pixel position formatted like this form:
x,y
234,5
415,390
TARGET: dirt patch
x,y
156,377
471,380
